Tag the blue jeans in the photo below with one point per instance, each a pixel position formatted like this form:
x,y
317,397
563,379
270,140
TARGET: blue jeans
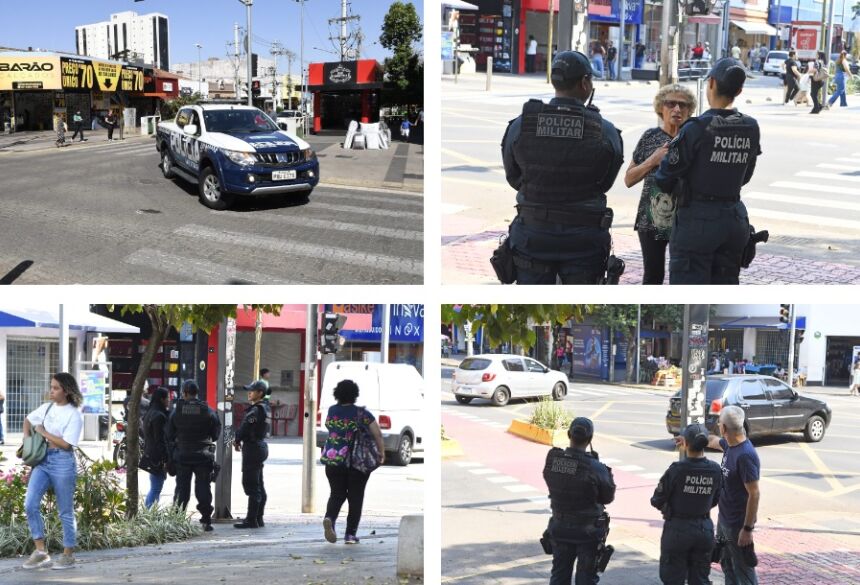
x,y
840,90
597,64
732,561
58,471
156,482
610,64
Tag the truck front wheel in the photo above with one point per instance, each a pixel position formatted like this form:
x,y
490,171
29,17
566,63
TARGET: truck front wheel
x,y
212,194
166,162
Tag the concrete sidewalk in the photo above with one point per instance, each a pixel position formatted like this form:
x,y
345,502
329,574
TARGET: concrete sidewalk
x,y
399,168
290,549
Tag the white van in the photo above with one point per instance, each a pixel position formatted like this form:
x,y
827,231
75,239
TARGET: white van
x,y
393,393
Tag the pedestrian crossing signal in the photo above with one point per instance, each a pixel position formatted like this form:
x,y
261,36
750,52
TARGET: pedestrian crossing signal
x,y
332,324
784,313
698,7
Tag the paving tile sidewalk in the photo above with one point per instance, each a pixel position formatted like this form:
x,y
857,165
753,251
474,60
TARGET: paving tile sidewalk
x,y
467,261
289,550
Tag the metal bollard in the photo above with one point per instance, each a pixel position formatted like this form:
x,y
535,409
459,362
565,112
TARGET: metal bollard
x,y
489,72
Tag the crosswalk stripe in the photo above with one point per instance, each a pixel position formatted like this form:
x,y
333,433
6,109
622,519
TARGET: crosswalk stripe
x,y
375,199
817,220
520,488
341,226
794,200
482,471
629,468
575,391
851,160
451,208
838,167
814,188
292,248
465,464
202,270
369,210
502,479
609,460
830,176
657,475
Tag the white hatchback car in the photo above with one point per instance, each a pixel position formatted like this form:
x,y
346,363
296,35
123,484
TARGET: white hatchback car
x,y
774,62
500,377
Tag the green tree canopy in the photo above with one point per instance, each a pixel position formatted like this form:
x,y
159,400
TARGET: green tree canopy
x,y
163,318
401,26
401,29
513,323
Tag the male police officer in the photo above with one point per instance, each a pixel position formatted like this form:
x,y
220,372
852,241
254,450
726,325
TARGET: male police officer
x,y
579,488
686,493
712,157
251,440
561,158
192,430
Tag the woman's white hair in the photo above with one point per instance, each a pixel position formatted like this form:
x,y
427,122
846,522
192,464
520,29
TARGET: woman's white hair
x,y
733,418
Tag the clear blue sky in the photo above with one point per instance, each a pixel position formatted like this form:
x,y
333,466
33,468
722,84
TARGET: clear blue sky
x,y
208,22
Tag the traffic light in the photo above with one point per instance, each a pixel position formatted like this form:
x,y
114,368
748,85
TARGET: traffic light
x,y
255,87
784,313
253,64
332,323
798,336
698,7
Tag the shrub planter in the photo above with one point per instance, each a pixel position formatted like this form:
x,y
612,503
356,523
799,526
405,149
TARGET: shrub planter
x,y
451,448
554,437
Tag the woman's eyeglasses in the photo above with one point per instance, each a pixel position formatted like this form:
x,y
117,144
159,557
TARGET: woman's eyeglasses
x,y
671,104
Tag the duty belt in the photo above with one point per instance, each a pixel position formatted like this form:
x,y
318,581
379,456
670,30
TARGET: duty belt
x,y
585,218
721,198
576,516
690,516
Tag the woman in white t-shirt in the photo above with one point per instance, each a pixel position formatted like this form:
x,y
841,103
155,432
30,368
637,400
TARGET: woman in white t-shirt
x,y
60,421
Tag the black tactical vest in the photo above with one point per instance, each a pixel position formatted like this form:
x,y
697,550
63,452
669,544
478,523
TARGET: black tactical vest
x,y
563,154
572,483
253,427
693,487
193,423
729,145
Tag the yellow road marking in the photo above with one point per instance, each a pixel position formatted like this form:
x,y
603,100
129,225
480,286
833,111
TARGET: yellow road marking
x,y
471,160
477,118
821,467
602,410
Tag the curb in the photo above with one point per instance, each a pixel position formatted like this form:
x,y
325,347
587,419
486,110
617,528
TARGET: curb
x,y
372,185
536,434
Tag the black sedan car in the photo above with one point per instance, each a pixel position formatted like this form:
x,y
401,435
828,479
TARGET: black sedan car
x,y
770,405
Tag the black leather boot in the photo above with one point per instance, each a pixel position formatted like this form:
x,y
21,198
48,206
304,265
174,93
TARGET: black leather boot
x,y
250,520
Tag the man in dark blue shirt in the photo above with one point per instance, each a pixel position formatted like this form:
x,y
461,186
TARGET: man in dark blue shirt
x,y
739,497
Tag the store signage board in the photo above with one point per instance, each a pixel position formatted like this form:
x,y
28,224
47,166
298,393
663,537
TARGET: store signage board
x,y
29,72
93,390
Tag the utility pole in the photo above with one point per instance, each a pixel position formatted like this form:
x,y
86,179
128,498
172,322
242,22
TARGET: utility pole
x,y
290,57
224,393
792,319
694,363
310,415
549,44
638,340
668,47
386,331
343,20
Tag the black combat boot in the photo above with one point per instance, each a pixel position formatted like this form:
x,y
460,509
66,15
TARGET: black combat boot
x,y
250,520
260,510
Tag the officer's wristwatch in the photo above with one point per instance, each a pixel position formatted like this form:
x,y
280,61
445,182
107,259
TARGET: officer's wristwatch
x,y
748,528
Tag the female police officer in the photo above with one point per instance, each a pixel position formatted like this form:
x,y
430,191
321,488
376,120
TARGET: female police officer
x,y
708,162
686,493
251,440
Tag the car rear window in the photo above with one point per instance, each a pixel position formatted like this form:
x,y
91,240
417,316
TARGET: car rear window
x,y
474,364
777,55
715,389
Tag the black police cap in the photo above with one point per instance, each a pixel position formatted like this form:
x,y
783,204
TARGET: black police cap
x,y
570,66
581,428
257,386
720,71
190,386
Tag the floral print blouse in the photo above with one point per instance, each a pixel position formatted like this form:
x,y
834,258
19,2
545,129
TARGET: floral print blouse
x,y
341,424
656,211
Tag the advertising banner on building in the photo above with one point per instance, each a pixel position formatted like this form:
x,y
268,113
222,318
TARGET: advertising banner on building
x,y
88,75
608,11
94,390
132,78
406,323
590,351
29,73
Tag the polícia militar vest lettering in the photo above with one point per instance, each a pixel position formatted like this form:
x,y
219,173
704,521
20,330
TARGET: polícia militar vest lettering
x,y
572,483
729,145
693,488
563,154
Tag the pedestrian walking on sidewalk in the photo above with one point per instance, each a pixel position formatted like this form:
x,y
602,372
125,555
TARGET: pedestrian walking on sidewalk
x,y
818,74
110,120
791,77
251,441
79,126
709,161
673,104
579,486
855,380
611,55
562,158
344,422
192,432
61,423
60,129
531,54
155,451
739,497
843,71
685,494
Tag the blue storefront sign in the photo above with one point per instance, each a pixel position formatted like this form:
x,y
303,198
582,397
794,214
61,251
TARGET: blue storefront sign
x,y
406,323
608,11
785,15
447,46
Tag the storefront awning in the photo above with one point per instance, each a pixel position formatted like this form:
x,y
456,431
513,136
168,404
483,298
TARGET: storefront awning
x,y
704,19
756,323
78,319
755,28
459,5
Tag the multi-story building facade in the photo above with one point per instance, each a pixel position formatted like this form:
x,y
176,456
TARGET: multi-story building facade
x,y
127,36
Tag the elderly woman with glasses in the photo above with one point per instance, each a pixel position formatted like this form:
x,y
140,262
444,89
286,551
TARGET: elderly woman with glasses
x,y
673,105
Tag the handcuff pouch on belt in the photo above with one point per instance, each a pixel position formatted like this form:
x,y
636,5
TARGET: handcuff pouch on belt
x,y
502,261
748,254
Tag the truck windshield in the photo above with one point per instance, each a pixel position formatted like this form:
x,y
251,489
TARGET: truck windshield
x,y
238,121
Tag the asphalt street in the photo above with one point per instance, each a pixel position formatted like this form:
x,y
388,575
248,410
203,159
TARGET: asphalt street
x,y
102,213
803,190
495,505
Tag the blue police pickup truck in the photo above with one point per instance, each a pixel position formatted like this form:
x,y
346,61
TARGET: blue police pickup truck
x,y
231,151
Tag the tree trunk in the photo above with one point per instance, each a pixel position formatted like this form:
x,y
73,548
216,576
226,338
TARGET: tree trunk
x,y
632,348
159,331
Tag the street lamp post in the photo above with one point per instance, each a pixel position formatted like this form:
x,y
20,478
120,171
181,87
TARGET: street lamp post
x,y
302,64
248,4
199,71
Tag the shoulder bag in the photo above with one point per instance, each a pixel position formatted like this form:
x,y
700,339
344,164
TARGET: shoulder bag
x,y
821,73
364,454
35,446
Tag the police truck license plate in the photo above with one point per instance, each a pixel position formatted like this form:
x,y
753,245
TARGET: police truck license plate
x,y
283,175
